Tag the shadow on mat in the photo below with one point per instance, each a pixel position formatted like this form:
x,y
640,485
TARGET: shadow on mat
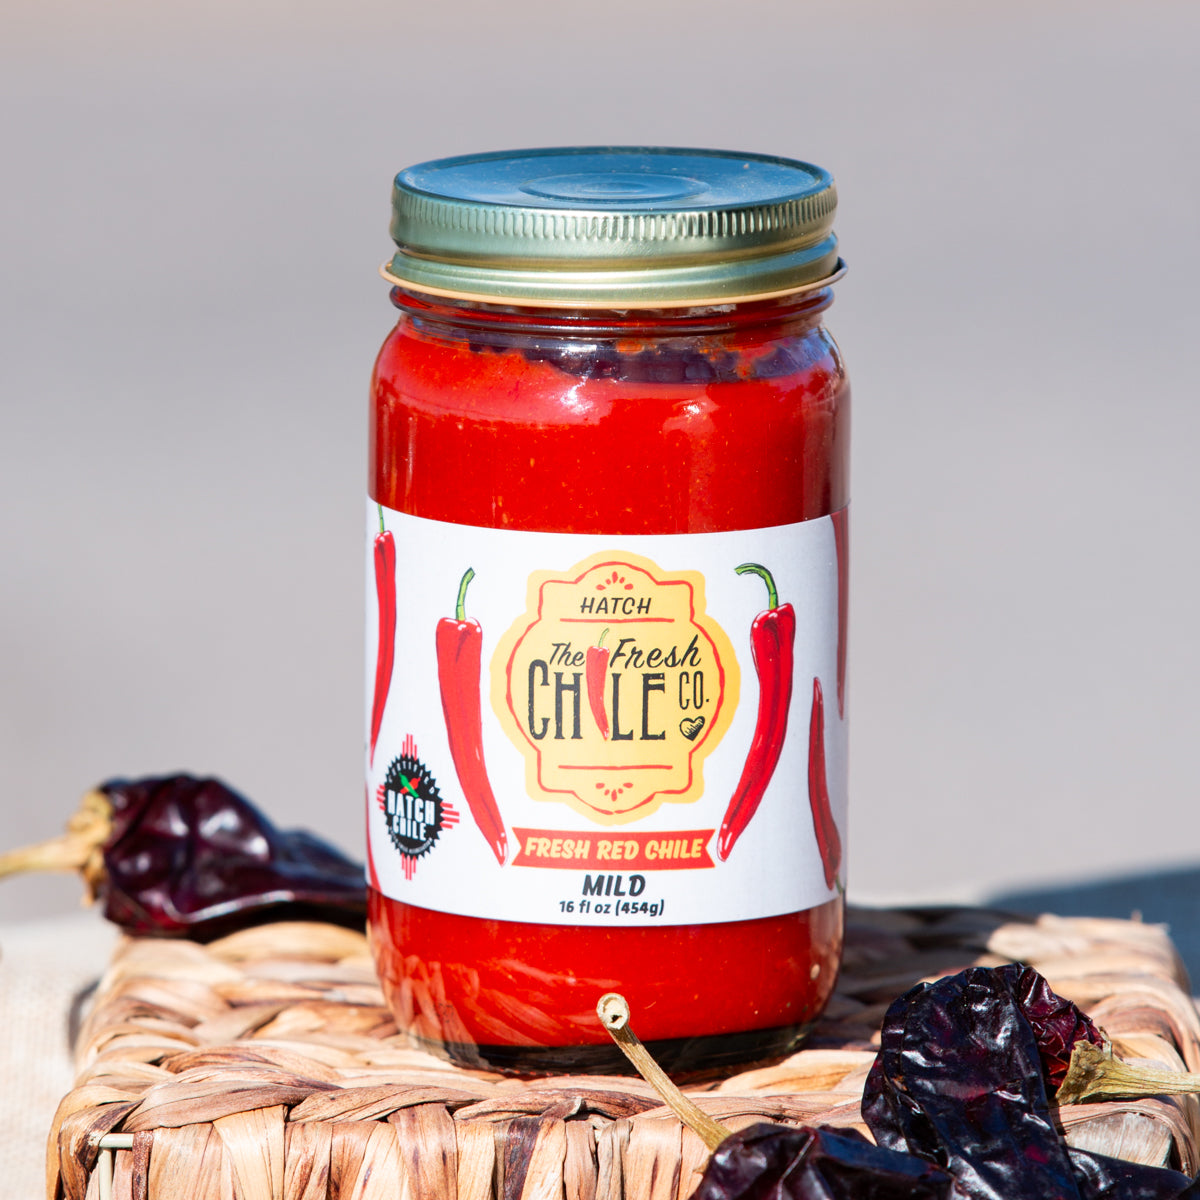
x,y
1170,898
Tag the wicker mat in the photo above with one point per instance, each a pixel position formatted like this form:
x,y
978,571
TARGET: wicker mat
x,y
265,1067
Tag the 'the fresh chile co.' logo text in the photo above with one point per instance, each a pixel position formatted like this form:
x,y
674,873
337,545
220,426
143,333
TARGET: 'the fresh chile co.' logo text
x,y
614,685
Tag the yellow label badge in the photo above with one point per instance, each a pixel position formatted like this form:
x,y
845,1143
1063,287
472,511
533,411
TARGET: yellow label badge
x,y
614,685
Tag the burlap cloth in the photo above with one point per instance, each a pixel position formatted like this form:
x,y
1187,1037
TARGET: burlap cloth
x,y
45,968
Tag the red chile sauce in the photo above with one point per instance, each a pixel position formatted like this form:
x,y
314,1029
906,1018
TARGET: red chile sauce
x,y
668,421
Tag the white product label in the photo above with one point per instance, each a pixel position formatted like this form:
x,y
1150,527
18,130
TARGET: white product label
x,y
572,729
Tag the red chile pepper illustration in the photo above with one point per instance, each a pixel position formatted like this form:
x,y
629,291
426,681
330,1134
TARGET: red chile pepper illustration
x,y
829,842
385,590
772,635
841,542
597,672
459,650
372,874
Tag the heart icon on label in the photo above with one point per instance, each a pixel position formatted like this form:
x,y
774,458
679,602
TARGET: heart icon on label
x,y
690,727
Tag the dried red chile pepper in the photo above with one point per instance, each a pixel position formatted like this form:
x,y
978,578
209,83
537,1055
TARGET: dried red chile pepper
x,y
459,655
780,1162
769,1161
179,856
957,1100
772,638
963,1079
385,591
1099,1177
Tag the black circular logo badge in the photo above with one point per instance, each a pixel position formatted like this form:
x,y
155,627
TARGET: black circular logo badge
x,y
413,806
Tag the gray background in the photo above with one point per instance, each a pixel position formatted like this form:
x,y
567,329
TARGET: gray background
x,y
193,209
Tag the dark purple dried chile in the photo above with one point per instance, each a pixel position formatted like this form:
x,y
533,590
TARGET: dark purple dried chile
x,y
1057,1024
959,1081
781,1162
1103,1178
962,1079
191,857
184,857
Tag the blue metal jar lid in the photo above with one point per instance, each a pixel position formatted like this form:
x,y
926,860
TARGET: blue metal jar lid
x,y
614,227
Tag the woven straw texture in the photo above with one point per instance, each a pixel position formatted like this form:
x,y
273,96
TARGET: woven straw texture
x,y
266,1067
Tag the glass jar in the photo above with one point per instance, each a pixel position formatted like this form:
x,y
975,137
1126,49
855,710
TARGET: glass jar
x,y
606,627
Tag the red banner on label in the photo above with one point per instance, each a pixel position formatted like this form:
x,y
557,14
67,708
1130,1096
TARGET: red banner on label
x,y
679,850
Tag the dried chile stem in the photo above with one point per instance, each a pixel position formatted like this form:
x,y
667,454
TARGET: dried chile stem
x,y
80,849
613,1011
1096,1073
